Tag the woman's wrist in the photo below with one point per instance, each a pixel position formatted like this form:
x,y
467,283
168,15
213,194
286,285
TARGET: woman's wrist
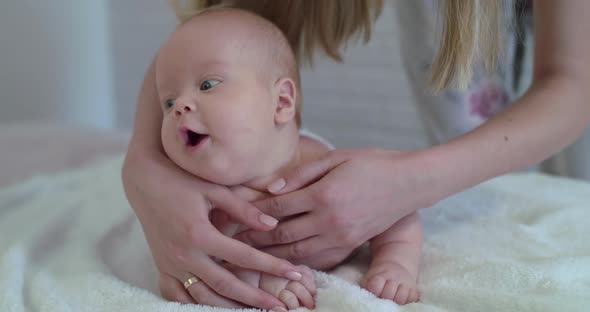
x,y
448,169
424,173
441,171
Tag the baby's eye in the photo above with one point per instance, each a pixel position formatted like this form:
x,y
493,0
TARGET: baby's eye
x,y
208,84
169,103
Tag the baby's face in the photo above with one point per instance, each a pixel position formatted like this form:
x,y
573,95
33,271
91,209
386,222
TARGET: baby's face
x,y
218,113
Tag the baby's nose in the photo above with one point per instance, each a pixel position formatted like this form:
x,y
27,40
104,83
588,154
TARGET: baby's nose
x,y
184,107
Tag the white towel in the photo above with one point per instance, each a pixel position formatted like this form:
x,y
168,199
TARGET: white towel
x,y
70,242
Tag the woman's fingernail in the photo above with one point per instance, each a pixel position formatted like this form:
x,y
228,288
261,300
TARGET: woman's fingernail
x,y
294,276
279,309
277,185
268,220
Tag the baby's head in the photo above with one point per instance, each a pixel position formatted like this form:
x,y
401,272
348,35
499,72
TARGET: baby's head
x,y
228,83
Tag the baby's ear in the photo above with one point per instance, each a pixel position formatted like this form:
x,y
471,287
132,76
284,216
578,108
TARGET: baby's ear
x,y
285,101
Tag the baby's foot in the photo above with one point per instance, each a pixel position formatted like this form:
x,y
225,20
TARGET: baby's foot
x,y
293,294
390,280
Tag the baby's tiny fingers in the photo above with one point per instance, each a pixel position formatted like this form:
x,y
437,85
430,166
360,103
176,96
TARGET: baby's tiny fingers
x,y
289,299
308,279
302,294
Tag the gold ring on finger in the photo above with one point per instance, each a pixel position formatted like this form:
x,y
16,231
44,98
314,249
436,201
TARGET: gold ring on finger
x,y
190,282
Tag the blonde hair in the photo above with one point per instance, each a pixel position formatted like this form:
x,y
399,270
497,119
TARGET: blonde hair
x,y
470,30
470,33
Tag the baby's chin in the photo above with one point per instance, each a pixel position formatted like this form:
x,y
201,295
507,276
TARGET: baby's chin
x,y
226,175
225,179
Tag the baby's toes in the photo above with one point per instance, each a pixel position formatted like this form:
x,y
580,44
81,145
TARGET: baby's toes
x,y
389,289
402,294
406,294
374,284
414,295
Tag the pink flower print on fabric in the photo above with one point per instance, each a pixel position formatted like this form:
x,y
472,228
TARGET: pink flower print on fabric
x,y
487,100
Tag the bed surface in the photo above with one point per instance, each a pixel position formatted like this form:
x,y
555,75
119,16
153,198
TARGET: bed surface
x,y
31,148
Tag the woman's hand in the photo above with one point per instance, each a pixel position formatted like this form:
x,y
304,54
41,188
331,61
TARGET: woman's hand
x,y
173,208
341,201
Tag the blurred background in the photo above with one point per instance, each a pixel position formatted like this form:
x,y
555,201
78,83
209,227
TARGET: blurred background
x,y
80,64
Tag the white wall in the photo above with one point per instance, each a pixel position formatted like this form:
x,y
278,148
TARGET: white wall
x,y
138,28
55,62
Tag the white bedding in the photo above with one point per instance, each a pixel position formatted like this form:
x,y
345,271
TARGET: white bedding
x,y
69,242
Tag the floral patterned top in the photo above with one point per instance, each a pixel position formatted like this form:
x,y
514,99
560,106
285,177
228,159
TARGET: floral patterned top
x,y
458,111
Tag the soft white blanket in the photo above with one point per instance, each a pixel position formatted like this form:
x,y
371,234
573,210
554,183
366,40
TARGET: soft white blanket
x,y
70,242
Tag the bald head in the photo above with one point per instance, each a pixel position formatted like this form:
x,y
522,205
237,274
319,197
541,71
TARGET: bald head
x,y
247,36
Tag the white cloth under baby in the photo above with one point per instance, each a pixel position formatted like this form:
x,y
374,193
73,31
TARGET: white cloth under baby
x,y
317,137
70,242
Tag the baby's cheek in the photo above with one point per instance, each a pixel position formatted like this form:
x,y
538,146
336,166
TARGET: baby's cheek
x,y
221,166
168,139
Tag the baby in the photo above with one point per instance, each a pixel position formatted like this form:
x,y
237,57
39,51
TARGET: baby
x,y
229,86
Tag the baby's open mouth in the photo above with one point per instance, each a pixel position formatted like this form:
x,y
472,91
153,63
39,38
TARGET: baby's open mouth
x,y
192,138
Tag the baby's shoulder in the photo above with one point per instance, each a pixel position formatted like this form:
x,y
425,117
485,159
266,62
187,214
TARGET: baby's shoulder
x,y
311,149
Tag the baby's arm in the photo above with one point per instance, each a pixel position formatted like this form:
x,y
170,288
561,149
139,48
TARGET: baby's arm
x,y
396,253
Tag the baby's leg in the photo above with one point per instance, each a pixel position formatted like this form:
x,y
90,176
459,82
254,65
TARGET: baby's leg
x,y
293,294
396,253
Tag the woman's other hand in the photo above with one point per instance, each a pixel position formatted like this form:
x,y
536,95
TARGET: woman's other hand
x,y
340,201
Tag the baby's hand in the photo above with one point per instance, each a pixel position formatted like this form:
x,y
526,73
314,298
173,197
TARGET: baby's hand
x,y
292,293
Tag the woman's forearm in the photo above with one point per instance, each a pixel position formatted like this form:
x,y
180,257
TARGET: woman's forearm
x,y
550,116
148,117
145,152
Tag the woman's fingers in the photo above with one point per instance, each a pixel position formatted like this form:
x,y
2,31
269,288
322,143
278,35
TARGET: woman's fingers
x,y
173,290
247,257
225,284
241,210
288,232
306,174
300,249
202,294
287,204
